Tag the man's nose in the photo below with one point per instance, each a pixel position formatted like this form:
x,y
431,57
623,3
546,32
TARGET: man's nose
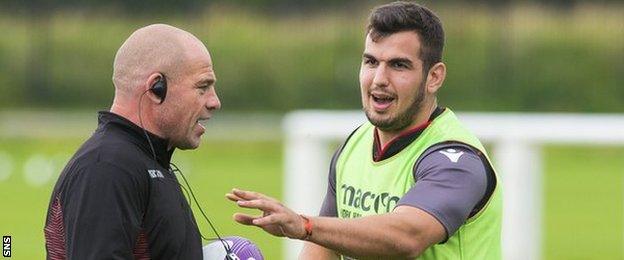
x,y
213,101
381,76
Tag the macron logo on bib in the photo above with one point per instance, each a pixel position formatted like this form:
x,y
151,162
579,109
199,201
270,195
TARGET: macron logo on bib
x,y
452,154
155,174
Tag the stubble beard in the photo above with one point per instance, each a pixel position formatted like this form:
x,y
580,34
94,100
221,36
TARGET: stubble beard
x,y
403,119
169,124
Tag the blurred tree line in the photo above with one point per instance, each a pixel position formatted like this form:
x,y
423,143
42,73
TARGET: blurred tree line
x,y
279,55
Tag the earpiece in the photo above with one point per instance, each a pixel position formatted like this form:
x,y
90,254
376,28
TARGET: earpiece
x,y
160,88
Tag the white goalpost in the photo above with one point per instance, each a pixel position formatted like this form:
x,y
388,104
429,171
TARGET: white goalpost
x,y
516,141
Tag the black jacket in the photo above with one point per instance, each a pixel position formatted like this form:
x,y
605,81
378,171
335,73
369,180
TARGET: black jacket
x,y
114,201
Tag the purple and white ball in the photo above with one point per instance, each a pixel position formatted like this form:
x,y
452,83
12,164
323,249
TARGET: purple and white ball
x,y
240,247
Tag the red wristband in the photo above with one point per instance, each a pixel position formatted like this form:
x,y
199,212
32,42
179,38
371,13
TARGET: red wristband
x,y
307,225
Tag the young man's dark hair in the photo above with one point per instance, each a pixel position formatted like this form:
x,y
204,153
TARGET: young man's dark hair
x,y
405,16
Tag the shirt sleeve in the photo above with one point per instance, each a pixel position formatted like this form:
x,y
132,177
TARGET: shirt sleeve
x,y
329,208
450,180
102,210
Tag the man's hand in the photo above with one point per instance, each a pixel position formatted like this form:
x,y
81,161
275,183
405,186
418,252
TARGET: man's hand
x,y
403,233
276,219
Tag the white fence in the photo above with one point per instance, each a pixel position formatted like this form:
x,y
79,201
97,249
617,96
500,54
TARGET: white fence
x,y
516,140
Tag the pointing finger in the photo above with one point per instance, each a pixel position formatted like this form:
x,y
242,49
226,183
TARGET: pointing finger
x,y
250,195
261,204
232,197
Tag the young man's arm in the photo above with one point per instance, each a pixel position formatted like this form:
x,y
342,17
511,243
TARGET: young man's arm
x,y
313,251
404,233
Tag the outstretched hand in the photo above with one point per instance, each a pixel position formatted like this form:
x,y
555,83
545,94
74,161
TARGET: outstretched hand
x,y
276,219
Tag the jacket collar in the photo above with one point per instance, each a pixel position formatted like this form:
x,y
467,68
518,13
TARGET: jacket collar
x,y
137,134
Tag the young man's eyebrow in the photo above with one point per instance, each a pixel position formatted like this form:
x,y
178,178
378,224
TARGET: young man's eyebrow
x,y
404,60
368,56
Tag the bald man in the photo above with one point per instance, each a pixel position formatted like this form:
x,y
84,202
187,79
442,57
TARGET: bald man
x,y
118,198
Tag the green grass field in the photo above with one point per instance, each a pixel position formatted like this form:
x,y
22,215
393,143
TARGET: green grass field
x,y
582,207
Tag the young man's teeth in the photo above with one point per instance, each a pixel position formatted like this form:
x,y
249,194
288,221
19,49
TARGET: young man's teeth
x,y
382,99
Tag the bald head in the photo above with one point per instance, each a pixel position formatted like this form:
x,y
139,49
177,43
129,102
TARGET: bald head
x,y
153,49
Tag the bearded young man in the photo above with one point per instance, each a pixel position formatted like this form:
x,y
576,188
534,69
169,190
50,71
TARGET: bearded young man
x,y
413,181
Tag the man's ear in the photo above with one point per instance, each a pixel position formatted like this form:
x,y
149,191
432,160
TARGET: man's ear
x,y
435,77
148,85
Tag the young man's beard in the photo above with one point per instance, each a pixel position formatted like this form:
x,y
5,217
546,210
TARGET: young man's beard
x,y
404,118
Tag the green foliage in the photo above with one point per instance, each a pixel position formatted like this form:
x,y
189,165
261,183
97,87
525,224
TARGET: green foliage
x,y
507,59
